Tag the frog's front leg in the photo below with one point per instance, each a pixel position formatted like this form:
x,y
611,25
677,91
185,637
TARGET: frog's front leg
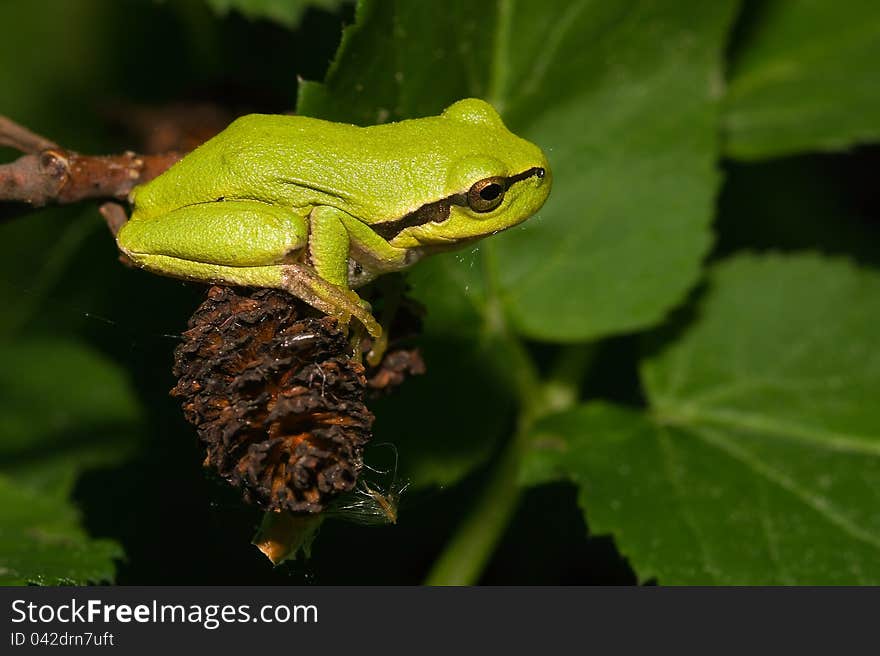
x,y
334,300
375,256
328,254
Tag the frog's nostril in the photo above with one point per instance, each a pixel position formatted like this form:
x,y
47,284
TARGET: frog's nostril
x,y
540,173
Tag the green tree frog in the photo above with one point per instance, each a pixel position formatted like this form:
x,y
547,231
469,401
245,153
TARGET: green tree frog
x,y
319,208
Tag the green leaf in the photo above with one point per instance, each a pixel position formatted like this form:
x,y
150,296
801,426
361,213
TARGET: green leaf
x,y
57,395
63,409
41,542
285,12
759,462
622,96
805,78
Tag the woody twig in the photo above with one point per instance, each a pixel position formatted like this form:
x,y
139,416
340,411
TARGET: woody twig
x,y
47,173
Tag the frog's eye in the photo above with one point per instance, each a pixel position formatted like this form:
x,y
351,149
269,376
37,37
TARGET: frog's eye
x,y
487,194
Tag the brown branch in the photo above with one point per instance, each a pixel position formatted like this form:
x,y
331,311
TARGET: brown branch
x,y
48,174
13,135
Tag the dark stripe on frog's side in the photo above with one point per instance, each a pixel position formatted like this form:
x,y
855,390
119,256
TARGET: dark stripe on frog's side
x,y
438,211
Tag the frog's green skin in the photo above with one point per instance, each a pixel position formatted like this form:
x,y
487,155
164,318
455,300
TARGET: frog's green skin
x,y
317,208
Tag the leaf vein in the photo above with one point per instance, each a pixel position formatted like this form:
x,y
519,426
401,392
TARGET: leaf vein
x,y
821,505
552,43
859,444
674,480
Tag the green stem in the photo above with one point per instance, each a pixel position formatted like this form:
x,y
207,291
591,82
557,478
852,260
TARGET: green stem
x,y
468,552
466,555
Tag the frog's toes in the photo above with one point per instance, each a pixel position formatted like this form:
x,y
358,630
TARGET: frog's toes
x,y
333,300
365,316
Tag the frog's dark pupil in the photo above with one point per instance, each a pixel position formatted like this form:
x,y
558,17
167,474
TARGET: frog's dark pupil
x,y
490,192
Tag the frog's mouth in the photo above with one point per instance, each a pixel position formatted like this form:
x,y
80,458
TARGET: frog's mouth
x,y
439,211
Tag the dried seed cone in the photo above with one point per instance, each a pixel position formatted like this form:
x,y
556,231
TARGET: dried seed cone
x,y
277,402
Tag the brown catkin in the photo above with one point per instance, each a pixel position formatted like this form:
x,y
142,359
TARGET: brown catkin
x,y
278,403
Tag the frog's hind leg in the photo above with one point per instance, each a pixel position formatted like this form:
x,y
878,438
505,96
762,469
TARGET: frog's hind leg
x,y
243,243
297,279
234,233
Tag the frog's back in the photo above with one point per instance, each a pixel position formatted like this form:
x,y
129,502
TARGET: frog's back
x,y
259,157
375,173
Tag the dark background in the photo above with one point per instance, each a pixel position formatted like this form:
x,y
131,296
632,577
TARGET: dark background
x,y
67,67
